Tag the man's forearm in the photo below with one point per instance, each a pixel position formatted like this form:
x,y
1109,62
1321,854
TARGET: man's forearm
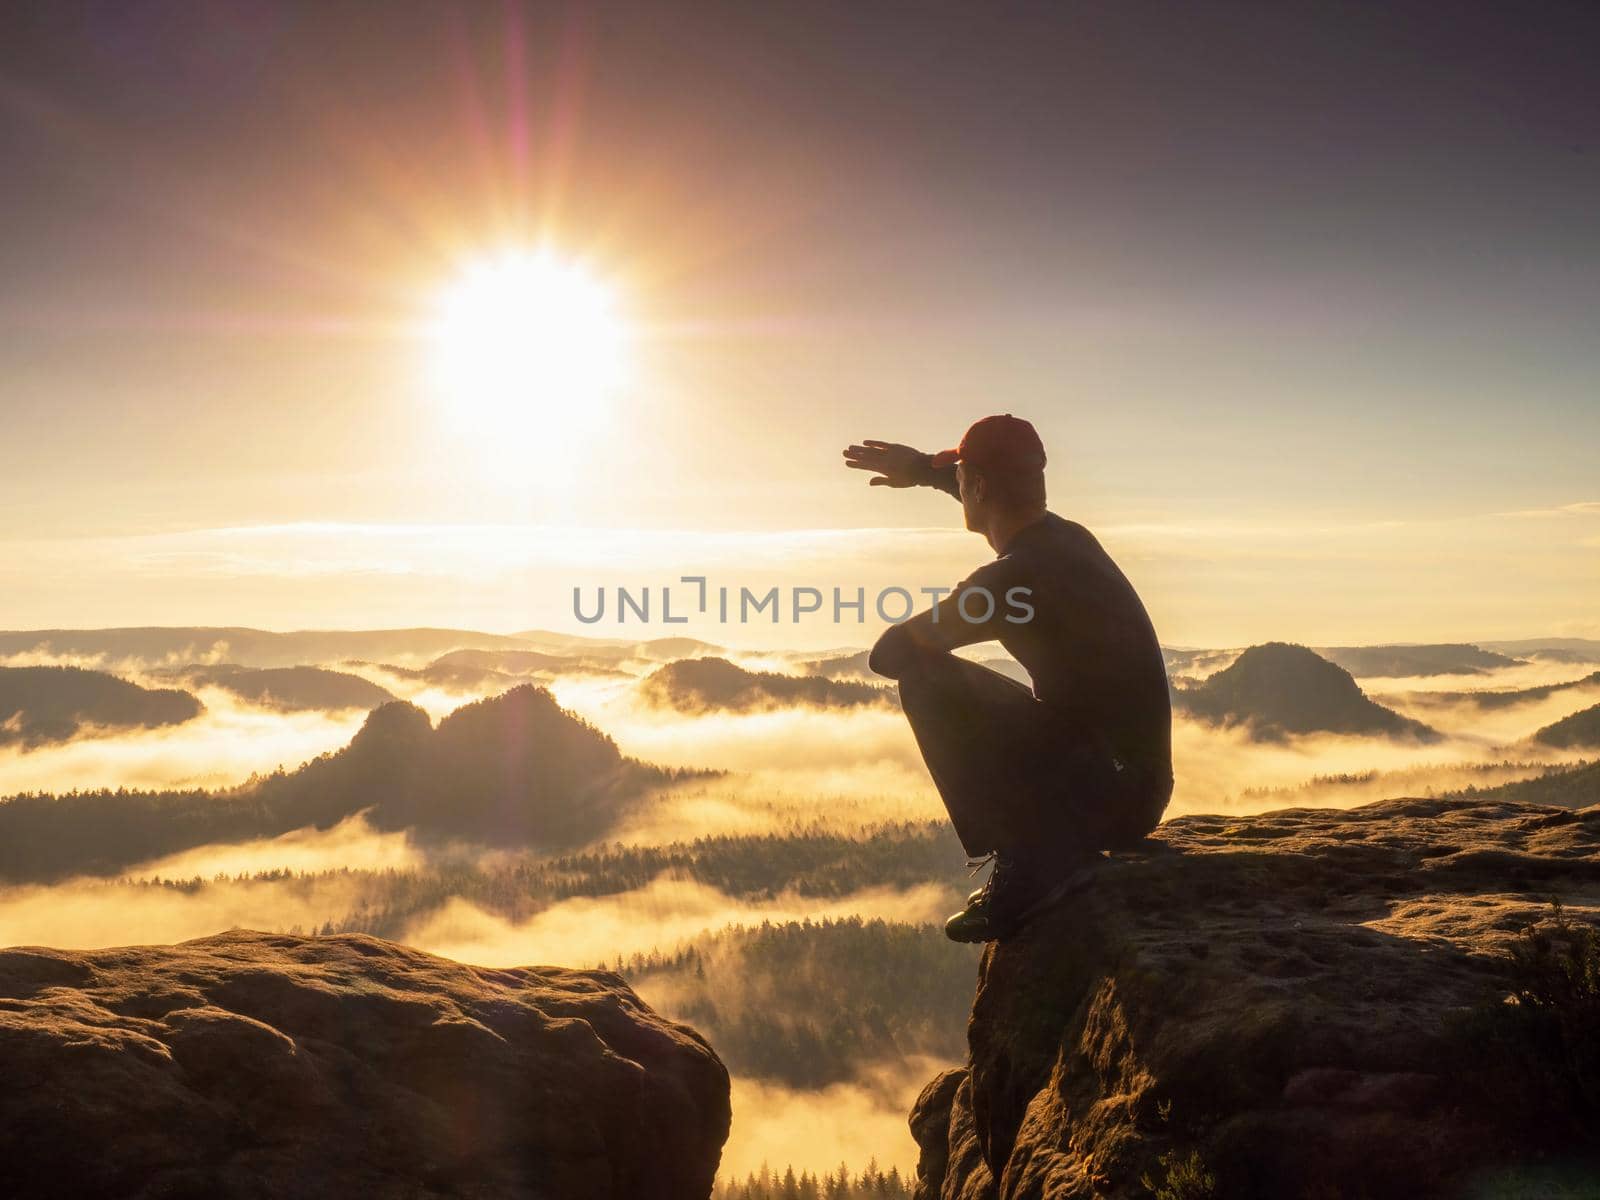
x,y
892,653
943,478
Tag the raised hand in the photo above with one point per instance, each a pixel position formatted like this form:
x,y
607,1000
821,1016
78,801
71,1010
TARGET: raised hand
x,y
896,465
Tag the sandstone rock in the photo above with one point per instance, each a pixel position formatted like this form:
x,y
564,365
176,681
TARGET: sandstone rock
x,y
1265,1000
257,1065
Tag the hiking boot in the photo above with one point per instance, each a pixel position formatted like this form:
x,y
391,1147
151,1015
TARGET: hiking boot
x,y
995,910
1014,894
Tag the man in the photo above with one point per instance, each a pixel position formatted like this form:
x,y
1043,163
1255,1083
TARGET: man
x,y
1040,781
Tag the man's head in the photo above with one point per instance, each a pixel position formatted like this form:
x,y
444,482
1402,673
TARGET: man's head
x,y
1000,468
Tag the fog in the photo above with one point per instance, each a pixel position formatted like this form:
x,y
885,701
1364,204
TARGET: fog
x,y
776,739
84,914
784,769
1222,770
1501,724
581,931
350,844
1532,673
587,931
221,747
435,700
802,765
817,1130
127,666
841,799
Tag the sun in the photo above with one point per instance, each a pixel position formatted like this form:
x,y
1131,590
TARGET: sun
x,y
526,342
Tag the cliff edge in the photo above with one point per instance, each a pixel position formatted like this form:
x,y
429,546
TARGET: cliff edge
x,y
1301,1005
259,1065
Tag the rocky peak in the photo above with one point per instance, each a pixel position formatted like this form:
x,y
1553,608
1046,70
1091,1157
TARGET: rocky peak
x,y
1268,1006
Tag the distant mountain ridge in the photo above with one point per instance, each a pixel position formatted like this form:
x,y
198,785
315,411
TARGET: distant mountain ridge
x,y
287,689
663,649
1444,658
1507,698
41,705
1277,689
178,645
701,684
446,677
1389,660
1557,649
521,663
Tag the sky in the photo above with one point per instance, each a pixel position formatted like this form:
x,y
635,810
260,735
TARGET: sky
x,y
1303,299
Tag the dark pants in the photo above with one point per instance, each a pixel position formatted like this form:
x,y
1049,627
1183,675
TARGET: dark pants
x,y
1014,776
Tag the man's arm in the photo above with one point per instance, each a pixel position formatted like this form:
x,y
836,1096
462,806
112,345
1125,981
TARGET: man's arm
x,y
900,466
946,626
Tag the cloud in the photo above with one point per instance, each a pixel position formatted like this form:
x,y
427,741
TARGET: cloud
x,y
435,699
206,654
1533,673
351,844
1581,508
844,798
786,767
839,769
1222,770
1497,726
800,736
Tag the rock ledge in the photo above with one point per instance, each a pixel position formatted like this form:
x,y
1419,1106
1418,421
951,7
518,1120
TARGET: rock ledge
x,y
256,1065
1262,1000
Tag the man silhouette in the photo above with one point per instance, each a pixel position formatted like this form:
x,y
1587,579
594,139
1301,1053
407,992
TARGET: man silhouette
x,y
1038,781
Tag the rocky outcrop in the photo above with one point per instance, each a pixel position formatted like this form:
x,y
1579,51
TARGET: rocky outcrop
x,y
1277,689
257,1065
1265,1007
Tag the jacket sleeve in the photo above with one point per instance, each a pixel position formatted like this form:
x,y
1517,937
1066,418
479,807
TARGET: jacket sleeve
x,y
943,478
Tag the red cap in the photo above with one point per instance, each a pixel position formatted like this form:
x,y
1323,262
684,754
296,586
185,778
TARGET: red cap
x,y
1004,442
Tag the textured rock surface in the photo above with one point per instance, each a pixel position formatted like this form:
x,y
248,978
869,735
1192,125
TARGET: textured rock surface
x,y
1270,993
250,1064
